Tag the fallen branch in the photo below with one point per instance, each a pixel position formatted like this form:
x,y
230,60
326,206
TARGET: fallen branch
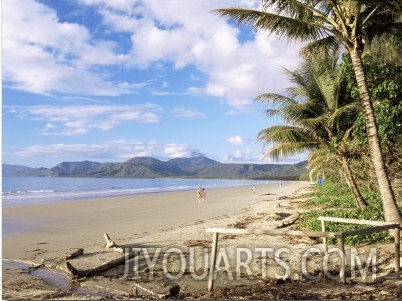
x,y
111,244
33,268
75,254
137,286
100,268
289,220
173,291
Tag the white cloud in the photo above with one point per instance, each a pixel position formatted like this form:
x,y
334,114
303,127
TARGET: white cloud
x,y
80,119
173,150
235,140
114,150
236,72
242,155
186,113
42,54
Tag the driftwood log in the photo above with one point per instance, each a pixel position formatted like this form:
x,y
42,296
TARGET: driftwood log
x,y
75,254
289,220
110,244
100,268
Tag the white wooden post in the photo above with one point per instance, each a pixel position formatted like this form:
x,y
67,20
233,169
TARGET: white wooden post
x,y
324,239
213,263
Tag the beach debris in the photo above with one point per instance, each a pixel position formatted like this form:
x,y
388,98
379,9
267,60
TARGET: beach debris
x,y
75,254
110,244
100,268
35,267
289,220
173,291
283,197
197,243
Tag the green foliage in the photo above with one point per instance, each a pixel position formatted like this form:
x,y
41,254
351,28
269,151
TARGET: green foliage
x,y
334,199
385,86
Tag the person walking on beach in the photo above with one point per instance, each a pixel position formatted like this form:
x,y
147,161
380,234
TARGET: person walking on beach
x,y
203,195
253,189
199,194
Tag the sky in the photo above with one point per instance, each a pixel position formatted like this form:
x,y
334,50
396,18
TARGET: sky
x,y
107,81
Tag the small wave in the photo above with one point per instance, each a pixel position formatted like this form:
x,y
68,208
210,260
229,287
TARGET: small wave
x,y
41,191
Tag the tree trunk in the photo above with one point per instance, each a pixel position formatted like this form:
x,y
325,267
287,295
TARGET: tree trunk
x,y
360,201
390,207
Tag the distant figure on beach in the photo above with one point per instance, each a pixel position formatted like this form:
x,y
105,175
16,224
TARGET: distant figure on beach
x,y
201,194
204,195
253,189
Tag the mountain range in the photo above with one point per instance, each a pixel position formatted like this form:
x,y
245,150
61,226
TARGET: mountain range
x,y
148,167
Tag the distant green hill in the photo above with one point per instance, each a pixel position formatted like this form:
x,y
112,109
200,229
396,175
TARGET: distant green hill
x,y
148,167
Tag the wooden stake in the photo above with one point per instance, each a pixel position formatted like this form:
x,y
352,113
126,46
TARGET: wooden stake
x,y
213,263
397,234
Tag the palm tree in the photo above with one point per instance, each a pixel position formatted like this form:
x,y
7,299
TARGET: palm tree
x,y
325,24
320,116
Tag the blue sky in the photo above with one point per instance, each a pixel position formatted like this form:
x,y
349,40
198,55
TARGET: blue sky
x,y
106,81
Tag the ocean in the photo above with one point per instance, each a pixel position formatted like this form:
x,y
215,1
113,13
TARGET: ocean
x,y
24,190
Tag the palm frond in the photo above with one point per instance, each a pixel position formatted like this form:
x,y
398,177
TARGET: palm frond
x,y
275,99
286,28
320,48
288,149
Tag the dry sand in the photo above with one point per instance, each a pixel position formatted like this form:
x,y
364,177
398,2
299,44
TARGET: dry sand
x,y
170,221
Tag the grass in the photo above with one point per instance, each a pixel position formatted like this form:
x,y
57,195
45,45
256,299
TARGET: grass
x,y
336,200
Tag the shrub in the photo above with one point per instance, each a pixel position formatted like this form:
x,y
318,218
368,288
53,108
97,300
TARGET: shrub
x,y
335,200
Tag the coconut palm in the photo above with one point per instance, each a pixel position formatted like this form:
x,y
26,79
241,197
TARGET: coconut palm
x,y
319,113
325,24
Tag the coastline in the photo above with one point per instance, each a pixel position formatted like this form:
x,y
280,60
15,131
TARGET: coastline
x,y
77,223
172,222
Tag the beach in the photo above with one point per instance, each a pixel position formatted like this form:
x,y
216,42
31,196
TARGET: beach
x,y
172,222
59,227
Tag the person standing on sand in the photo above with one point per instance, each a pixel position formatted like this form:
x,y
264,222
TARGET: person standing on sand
x,y
253,189
203,195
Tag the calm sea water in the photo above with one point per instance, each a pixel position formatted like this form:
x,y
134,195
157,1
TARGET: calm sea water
x,y
22,190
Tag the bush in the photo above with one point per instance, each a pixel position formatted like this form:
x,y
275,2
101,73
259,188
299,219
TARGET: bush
x,y
336,200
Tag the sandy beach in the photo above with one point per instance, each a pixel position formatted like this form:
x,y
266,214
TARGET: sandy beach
x,y
51,231
60,227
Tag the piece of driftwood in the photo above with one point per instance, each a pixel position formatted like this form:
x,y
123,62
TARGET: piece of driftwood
x,y
110,244
100,268
75,254
289,220
173,291
37,266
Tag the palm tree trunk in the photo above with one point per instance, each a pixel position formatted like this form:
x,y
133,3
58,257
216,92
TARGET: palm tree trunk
x,y
360,201
390,207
